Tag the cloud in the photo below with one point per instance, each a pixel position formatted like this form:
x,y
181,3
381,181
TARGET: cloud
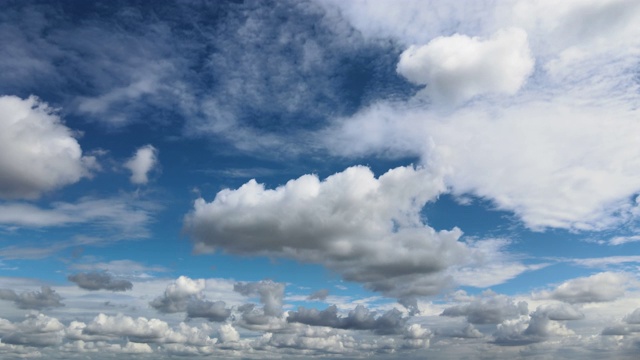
x,y
32,133
619,240
633,318
178,294
458,67
367,229
601,287
145,330
360,318
186,295
319,295
100,281
543,153
489,308
539,327
142,162
36,330
271,294
37,300
128,216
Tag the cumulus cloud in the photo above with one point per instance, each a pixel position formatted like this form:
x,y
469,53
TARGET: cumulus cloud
x,y
100,281
489,308
36,330
186,295
142,162
36,300
271,294
32,133
367,229
360,318
601,287
145,330
545,153
458,67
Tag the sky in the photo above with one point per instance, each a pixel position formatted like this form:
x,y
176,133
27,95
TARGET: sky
x,y
320,178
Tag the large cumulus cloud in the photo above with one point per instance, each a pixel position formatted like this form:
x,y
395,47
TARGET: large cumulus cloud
x,y
38,153
367,229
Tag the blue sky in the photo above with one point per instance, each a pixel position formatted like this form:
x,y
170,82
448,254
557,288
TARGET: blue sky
x,y
322,178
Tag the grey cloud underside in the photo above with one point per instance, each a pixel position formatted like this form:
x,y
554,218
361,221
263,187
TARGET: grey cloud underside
x,y
319,295
185,296
100,281
360,318
491,309
367,229
36,300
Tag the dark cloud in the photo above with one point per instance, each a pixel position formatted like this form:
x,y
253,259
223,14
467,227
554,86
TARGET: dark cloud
x,y
543,324
210,310
271,294
360,318
100,281
490,308
35,300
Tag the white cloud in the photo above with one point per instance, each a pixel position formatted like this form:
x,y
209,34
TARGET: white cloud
x,y
601,287
38,153
458,67
142,162
489,308
558,163
367,229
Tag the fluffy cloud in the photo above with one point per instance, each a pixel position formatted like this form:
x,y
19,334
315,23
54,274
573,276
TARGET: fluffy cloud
x,y
544,154
142,162
543,324
36,330
601,287
186,295
360,318
367,229
178,294
100,281
490,308
458,67
148,330
31,133
37,300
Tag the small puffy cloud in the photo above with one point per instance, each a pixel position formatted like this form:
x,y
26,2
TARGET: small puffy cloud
x,y
489,308
271,294
601,287
458,67
100,281
186,295
227,333
360,318
36,300
468,332
38,153
142,162
319,295
177,295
